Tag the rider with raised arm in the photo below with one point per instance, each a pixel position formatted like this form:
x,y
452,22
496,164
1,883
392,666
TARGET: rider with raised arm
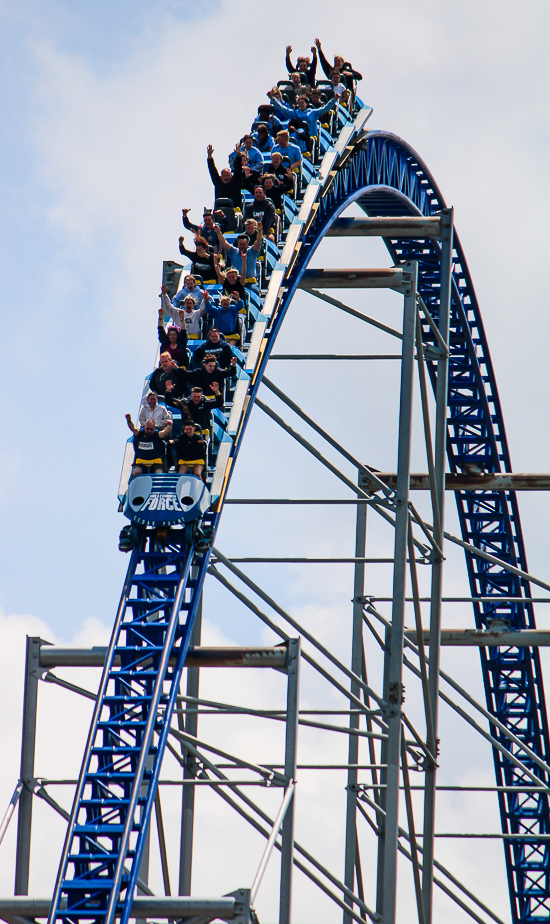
x,y
243,256
343,67
232,282
206,230
202,262
173,341
199,407
149,447
227,185
210,373
189,287
304,66
188,317
305,112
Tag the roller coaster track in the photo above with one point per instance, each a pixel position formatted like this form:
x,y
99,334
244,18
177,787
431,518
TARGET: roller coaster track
x,y
117,785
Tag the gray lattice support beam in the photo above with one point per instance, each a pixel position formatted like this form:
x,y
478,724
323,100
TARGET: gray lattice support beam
x,y
291,756
440,459
351,844
393,672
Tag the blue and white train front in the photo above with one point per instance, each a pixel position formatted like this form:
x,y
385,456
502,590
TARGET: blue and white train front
x,y
166,500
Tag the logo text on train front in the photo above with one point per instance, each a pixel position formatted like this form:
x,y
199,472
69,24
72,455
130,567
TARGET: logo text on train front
x,y
162,502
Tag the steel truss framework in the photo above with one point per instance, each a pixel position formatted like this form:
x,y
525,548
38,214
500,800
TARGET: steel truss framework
x,y
443,339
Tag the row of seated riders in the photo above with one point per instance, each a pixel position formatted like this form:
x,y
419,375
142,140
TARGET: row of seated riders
x,y
267,163
191,375
191,380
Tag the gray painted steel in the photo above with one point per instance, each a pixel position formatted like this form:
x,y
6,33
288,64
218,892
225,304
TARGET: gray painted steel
x,y
28,741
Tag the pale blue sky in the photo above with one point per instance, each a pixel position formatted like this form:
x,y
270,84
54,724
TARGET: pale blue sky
x,y
106,116
106,113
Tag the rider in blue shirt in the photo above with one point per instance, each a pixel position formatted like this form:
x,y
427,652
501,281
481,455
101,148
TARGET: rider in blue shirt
x,y
262,139
255,159
243,255
287,149
226,316
304,112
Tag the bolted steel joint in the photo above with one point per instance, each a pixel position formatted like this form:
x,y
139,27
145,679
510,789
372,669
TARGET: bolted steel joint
x,y
396,693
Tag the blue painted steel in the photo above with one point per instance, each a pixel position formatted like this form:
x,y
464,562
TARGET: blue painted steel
x,y
166,499
122,761
386,177
136,699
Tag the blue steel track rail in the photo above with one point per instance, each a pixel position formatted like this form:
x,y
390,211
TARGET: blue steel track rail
x,y
122,761
118,781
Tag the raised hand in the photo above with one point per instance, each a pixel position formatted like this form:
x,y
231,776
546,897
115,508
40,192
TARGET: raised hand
x,y
215,387
185,211
181,239
313,49
209,150
288,49
163,288
128,416
318,43
161,312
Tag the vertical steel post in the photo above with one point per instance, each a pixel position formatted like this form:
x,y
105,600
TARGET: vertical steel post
x,y
188,794
437,566
28,741
356,666
291,743
386,901
144,862
381,817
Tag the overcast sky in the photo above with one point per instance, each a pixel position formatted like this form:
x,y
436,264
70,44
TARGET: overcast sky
x,y
106,113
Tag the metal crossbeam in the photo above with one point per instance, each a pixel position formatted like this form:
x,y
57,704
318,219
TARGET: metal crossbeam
x,y
500,481
401,226
390,278
143,907
275,657
343,357
488,638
